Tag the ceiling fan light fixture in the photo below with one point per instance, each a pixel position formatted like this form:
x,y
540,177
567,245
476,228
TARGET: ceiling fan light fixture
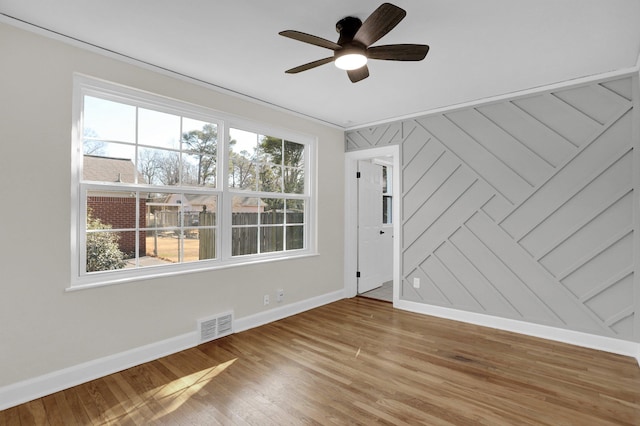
x,y
351,61
354,46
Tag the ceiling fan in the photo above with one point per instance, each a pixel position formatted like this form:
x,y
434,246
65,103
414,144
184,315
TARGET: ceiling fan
x,y
353,48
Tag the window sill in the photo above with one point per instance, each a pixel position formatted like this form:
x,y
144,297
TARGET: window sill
x,y
163,272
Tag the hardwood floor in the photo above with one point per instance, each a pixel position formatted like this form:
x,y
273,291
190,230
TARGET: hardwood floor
x,y
358,361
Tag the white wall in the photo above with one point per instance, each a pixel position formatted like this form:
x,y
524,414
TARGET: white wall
x,y
43,328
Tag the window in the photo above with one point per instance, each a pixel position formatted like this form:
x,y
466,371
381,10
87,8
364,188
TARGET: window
x,y
167,187
272,167
387,198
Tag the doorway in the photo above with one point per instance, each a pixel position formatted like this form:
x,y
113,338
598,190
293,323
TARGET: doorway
x,y
375,228
367,264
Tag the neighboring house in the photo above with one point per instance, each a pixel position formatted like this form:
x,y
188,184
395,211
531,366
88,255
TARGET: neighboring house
x,y
119,211
198,203
246,205
240,204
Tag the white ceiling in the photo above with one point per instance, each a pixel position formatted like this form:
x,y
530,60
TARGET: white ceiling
x,y
479,49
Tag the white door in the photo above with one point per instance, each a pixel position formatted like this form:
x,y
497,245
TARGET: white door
x,y
371,265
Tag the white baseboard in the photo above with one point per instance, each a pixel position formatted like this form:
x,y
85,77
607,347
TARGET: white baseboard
x,y
49,383
261,318
607,344
37,387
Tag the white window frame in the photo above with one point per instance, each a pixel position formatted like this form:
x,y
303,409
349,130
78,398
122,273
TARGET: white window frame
x,y
84,85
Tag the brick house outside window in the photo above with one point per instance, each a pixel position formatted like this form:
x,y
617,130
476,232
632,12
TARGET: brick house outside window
x,y
118,211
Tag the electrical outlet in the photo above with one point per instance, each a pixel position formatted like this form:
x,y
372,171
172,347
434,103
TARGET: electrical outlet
x,y
416,282
280,295
266,299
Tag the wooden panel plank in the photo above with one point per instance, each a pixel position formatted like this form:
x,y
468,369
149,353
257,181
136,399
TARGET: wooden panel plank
x,y
368,136
450,286
415,137
565,305
586,166
614,258
407,292
560,117
595,101
624,327
526,302
485,165
437,231
497,207
603,286
446,189
596,197
622,87
517,157
546,143
491,300
425,185
612,221
616,298
354,141
386,134
429,153
428,292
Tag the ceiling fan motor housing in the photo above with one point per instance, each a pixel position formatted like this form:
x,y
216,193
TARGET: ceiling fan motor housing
x,y
347,27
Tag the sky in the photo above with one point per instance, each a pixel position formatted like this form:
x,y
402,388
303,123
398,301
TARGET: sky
x,y
113,121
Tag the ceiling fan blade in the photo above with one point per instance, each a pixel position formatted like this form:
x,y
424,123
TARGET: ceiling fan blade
x,y
358,74
311,39
398,52
310,65
379,23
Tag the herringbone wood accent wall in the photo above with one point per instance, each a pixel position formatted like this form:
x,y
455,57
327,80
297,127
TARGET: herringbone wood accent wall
x,y
521,209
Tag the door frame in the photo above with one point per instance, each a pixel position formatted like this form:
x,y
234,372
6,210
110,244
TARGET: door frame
x,y
351,216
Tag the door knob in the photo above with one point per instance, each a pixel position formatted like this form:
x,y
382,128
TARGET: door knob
x,y
381,232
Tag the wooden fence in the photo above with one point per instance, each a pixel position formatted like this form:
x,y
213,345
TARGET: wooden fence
x,y
247,237
244,234
207,236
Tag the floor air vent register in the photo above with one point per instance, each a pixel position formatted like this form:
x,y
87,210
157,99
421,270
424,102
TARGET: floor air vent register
x,y
214,327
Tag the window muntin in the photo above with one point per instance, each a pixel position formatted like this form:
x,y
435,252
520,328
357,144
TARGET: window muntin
x,y
162,167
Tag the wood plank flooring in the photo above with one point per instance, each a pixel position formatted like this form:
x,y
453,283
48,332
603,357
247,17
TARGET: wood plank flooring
x,y
358,361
